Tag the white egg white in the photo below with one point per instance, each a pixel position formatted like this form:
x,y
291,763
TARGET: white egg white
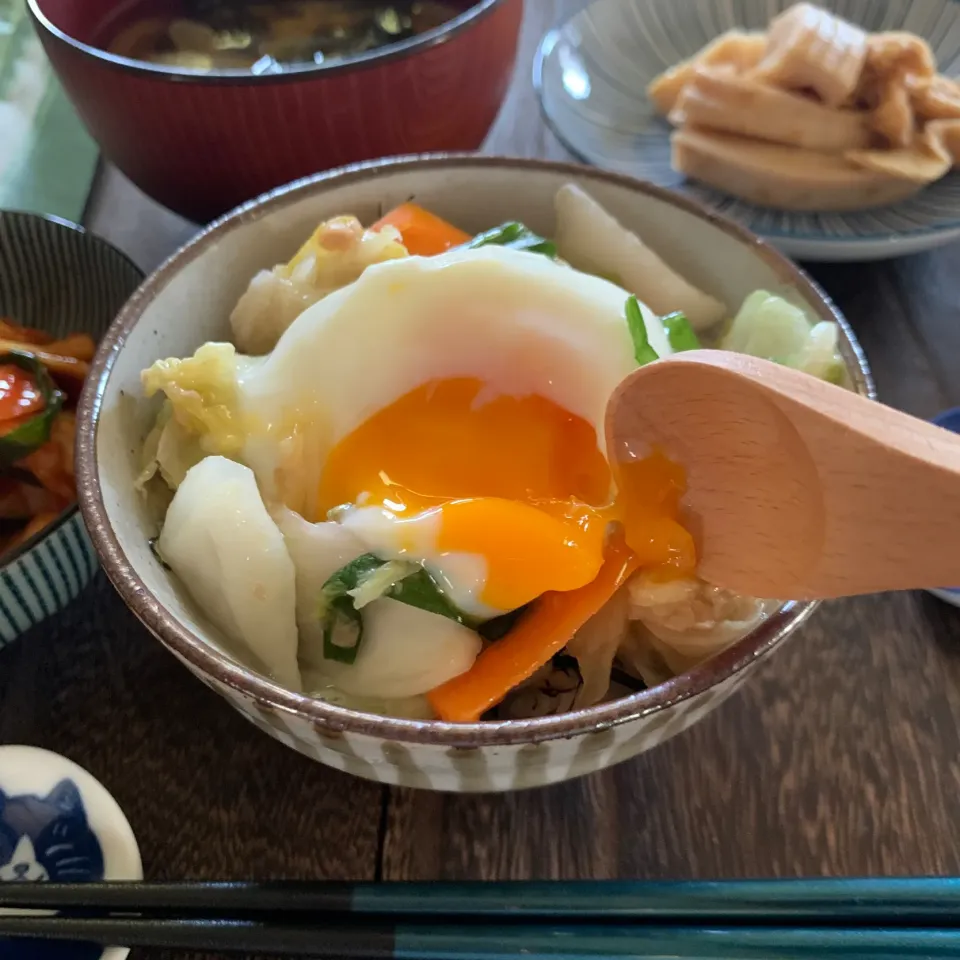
x,y
519,321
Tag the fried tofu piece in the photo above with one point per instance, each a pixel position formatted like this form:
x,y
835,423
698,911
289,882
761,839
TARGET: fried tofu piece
x,y
785,178
893,58
902,53
893,117
946,134
935,98
809,48
751,108
924,162
735,49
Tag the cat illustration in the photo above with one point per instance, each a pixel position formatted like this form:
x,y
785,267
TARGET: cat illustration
x,y
48,838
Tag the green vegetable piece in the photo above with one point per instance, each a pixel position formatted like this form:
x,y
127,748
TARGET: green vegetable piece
x,y
22,441
342,631
638,331
836,373
420,590
680,333
516,236
343,623
767,326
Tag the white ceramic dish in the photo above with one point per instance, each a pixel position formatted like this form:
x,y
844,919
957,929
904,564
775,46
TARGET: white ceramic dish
x,y
188,301
591,75
59,824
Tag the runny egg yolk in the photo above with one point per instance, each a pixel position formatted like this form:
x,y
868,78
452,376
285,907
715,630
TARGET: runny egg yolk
x,y
517,480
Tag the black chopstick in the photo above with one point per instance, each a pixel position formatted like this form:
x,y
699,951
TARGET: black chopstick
x,y
886,902
494,941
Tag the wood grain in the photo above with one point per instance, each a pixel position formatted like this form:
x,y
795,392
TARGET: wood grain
x,y
841,757
207,794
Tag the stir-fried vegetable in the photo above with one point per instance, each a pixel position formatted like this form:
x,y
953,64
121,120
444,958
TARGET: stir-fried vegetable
x,y
553,689
21,433
40,379
20,396
638,331
517,237
543,631
342,622
367,579
56,363
423,233
202,391
13,331
770,327
562,650
680,333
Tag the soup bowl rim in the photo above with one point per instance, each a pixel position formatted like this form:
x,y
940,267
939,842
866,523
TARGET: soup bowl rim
x,y
239,77
267,694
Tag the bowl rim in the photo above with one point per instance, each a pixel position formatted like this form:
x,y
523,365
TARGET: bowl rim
x,y
328,717
9,559
236,77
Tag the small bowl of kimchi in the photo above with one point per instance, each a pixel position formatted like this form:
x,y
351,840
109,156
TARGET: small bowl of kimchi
x,y
60,288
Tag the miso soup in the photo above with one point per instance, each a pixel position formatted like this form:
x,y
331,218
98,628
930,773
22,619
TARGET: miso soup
x,y
265,37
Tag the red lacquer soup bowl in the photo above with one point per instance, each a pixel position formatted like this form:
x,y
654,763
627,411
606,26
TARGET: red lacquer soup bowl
x,y
203,143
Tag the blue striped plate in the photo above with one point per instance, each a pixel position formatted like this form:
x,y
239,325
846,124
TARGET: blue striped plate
x,y
55,276
591,75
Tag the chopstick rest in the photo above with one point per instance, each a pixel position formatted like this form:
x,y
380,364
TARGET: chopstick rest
x,y
59,824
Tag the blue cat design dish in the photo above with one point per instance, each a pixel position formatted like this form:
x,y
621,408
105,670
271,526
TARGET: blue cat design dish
x,y
48,838
57,277
949,420
592,72
59,824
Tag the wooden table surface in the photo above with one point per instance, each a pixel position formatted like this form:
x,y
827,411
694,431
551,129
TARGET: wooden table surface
x,y
841,757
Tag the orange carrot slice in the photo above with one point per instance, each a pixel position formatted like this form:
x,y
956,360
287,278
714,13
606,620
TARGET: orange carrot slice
x,y
80,346
14,331
541,633
424,233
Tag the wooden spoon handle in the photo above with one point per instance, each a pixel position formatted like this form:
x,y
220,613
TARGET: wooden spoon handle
x,y
891,495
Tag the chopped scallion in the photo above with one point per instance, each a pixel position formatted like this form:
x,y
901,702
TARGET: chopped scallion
x,y
361,582
679,332
517,237
638,331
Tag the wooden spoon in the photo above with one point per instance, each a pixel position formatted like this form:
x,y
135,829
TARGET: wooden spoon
x,y
796,489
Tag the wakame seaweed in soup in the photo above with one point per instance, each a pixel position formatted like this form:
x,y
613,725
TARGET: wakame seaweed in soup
x,y
206,35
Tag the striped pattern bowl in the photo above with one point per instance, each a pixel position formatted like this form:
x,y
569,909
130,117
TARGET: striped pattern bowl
x,y
188,301
55,276
592,73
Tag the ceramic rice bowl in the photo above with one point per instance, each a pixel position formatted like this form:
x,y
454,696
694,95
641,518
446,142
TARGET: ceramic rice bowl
x,y
188,301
